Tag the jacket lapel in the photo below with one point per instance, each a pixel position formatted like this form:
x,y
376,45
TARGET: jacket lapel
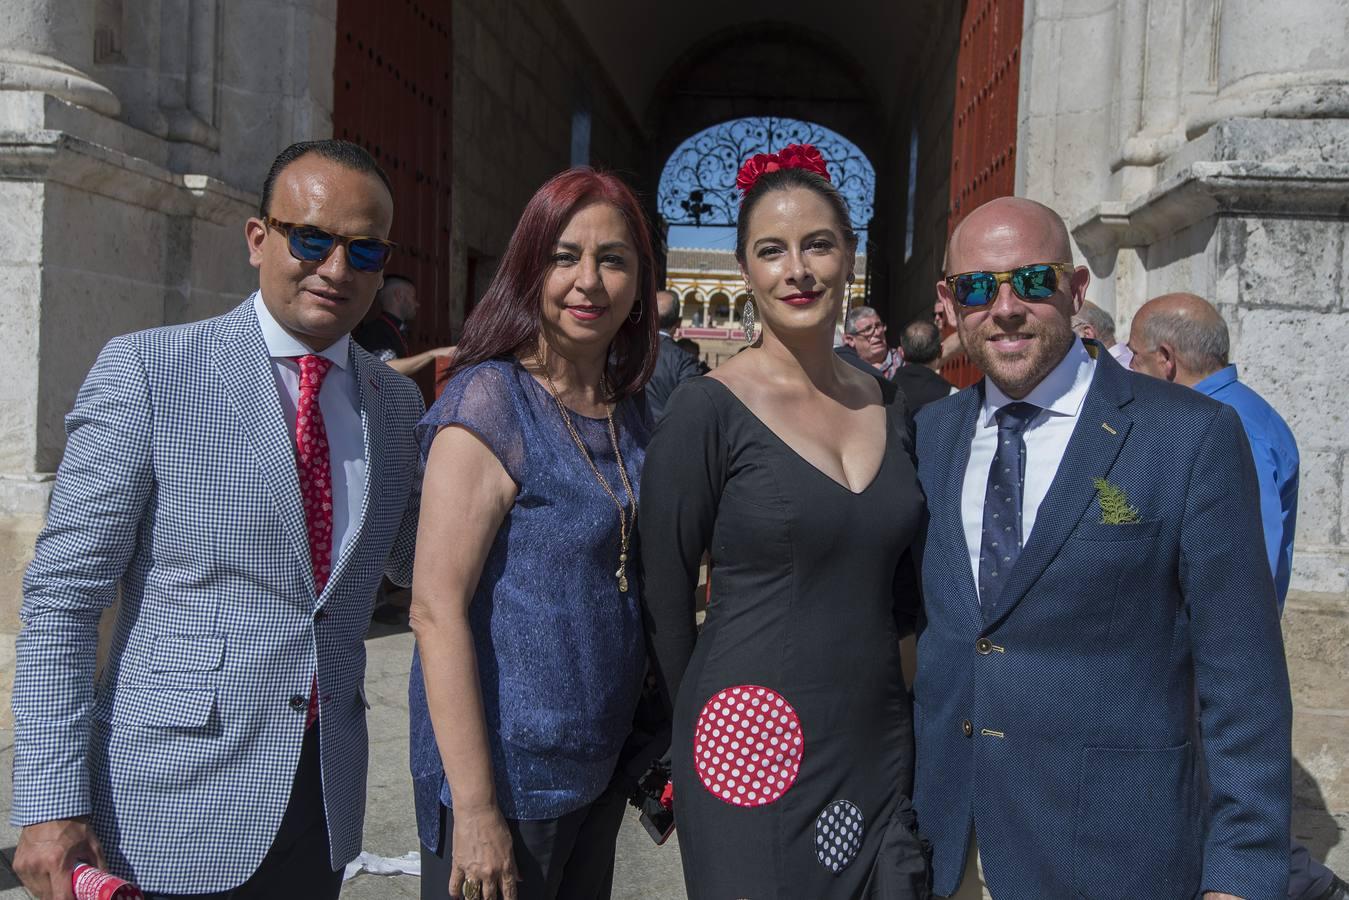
x,y
1097,439
372,438
245,369
945,501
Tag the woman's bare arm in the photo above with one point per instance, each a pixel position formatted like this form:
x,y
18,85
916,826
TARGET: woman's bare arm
x,y
466,495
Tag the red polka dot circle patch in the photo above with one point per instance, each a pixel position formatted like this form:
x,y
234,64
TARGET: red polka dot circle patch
x,y
747,745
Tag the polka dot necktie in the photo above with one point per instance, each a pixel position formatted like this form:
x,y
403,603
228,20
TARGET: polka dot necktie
x,y
1001,544
316,484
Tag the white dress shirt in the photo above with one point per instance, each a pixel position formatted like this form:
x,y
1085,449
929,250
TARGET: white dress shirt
x,y
340,403
1123,355
1060,396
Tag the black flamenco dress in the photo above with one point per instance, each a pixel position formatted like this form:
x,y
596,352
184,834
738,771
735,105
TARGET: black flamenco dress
x,y
792,745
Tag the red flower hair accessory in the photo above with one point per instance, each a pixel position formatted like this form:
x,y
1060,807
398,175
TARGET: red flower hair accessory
x,y
792,156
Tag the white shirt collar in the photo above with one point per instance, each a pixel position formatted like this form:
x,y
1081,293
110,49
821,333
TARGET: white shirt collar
x,y
283,345
1061,392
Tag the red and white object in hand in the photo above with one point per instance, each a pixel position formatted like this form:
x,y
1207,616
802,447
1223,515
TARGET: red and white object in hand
x,y
95,884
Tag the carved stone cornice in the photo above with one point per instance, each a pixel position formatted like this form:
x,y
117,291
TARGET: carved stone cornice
x,y
59,157
22,70
1284,95
1206,188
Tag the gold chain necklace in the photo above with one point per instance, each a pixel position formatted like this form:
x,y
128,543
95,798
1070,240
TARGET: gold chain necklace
x,y
625,522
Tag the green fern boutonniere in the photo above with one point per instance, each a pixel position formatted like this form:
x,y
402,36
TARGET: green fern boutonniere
x,y
1115,508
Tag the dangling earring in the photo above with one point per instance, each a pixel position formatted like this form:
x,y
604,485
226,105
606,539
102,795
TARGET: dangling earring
x,y
748,320
641,308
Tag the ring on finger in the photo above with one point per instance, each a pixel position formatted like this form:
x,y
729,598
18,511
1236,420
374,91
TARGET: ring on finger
x,y
472,889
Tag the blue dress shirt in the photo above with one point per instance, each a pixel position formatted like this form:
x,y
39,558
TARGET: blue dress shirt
x,y
1276,465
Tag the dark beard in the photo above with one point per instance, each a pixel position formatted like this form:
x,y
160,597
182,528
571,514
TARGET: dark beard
x,y
1048,349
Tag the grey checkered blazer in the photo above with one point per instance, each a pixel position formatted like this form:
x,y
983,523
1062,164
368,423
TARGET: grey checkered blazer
x,y
178,489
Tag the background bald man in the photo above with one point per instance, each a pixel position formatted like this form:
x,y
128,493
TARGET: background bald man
x,y
674,365
1060,687
1095,323
1183,338
918,378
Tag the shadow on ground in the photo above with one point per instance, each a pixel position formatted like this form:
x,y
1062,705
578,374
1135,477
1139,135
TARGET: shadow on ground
x,y
1313,825
7,877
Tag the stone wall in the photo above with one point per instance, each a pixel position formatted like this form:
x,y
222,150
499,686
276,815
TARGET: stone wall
x,y
1183,161
522,72
224,83
1244,217
1186,156
132,139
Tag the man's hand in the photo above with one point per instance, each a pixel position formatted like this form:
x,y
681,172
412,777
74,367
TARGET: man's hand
x,y
47,854
1214,895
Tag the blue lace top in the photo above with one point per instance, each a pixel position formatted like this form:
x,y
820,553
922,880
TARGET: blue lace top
x,y
560,649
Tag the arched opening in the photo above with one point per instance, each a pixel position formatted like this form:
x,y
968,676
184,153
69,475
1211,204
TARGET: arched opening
x,y
755,70
691,312
697,197
719,310
697,201
860,86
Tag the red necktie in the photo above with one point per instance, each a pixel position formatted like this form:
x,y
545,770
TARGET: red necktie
x,y
316,484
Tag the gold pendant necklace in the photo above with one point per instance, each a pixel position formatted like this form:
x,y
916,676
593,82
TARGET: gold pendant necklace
x,y
625,521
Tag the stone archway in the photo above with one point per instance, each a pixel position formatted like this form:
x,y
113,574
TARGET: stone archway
x,y
691,308
698,181
754,70
762,62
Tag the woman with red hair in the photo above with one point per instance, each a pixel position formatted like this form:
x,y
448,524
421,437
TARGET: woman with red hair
x,y
530,654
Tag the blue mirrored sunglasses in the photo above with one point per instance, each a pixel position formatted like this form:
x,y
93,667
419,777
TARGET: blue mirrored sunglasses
x,y
1038,281
308,243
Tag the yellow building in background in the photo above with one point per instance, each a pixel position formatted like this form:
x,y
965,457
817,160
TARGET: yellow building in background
x,y
711,293
711,289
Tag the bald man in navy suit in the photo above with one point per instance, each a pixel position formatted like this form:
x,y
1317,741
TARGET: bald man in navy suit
x,y
1096,597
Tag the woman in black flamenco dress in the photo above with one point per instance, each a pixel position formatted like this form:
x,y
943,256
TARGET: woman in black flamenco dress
x,y
792,745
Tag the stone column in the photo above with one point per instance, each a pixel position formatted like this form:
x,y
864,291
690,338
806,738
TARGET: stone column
x,y
1279,60
1236,193
48,46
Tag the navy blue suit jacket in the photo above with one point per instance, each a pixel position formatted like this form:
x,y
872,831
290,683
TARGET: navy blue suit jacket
x,y
1072,726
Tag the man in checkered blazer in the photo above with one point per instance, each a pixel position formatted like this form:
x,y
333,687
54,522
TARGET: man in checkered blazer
x,y
243,483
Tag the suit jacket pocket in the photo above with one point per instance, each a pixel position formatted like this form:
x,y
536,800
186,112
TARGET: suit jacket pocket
x,y
146,706
1095,530
1137,829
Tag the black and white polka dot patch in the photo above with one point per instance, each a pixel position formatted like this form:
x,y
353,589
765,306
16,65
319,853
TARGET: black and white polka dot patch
x,y
838,835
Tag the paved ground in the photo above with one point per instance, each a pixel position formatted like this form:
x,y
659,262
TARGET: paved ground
x,y
643,872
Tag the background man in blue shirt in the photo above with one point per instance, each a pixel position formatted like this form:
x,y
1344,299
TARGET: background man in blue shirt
x,y
1182,338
